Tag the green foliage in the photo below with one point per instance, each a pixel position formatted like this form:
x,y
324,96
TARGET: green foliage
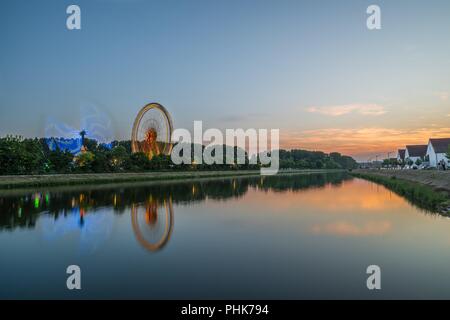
x,y
101,162
448,153
59,161
421,195
137,161
21,156
84,161
390,163
32,156
90,144
302,159
126,144
119,157
160,162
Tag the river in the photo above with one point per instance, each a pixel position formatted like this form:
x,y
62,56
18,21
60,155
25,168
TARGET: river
x,y
283,237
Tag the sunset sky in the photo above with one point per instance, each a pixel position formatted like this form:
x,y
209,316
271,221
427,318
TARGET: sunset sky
x,y
310,68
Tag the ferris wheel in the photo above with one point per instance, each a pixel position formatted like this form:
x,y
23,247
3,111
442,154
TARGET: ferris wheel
x,y
152,131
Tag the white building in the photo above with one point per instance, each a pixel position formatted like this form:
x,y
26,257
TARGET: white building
x,y
436,151
415,152
401,155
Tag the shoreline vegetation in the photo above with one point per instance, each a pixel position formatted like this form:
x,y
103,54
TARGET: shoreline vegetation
x,y
19,156
23,181
429,190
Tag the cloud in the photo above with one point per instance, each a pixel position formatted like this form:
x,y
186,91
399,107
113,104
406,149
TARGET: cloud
x,y
343,228
359,142
443,95
340,110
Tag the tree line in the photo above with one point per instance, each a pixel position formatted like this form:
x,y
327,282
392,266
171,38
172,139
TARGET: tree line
x,y
33,156
303,159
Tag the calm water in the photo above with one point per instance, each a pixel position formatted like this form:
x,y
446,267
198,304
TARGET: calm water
x,y
304,236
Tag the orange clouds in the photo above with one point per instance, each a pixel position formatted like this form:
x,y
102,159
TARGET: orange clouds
x,y
359,141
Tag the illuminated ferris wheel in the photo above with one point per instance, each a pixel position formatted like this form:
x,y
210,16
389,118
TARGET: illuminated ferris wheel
x,y
152,131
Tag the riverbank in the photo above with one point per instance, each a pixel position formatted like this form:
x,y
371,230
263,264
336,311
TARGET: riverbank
x,y
428,189
14,182
437,180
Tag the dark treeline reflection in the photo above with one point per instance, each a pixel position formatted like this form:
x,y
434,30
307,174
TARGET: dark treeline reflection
x,y
22,211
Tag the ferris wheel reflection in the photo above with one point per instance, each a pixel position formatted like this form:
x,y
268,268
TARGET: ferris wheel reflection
x,y
152,223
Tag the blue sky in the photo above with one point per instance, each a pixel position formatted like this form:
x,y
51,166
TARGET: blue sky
x,y
310,68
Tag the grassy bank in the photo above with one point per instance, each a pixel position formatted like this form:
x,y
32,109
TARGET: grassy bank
x,y
14,182
423,195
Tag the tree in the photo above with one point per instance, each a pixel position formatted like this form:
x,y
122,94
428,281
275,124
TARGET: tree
x,y
119,156
160,162
319,164
137,162
33,156
19,156
59,161
90,144
85,160
303,159
447,154
10,155
101,161
82,135
389,163
33,160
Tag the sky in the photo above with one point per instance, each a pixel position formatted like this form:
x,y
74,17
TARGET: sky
x,y
309,68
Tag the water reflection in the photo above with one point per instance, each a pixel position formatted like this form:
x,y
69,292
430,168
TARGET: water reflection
x,y
91,230
152,223
314,235
87,211
20,209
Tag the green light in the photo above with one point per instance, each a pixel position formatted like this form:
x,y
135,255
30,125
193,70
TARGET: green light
x,y
19,213
36,202
47,199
